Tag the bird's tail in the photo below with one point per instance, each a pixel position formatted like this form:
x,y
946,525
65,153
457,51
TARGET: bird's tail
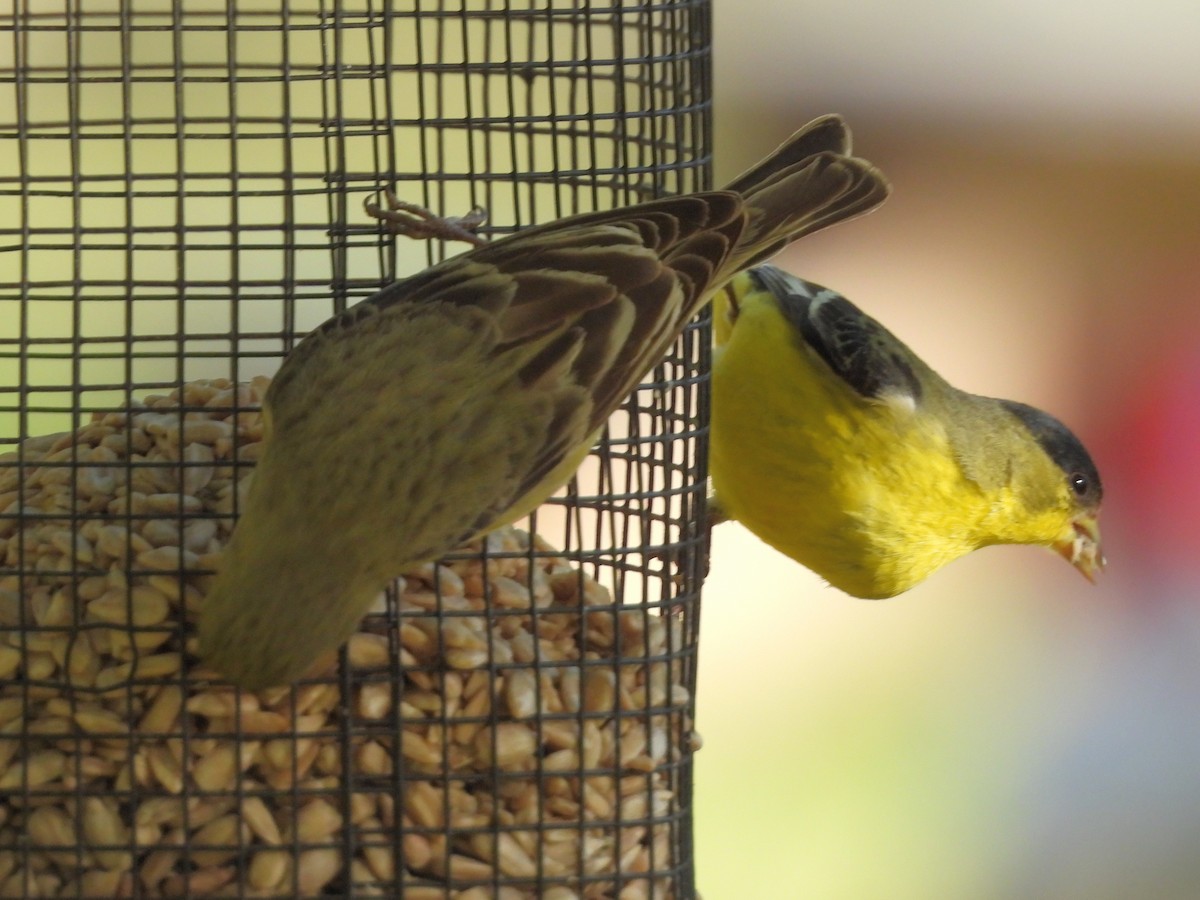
x,y
809,183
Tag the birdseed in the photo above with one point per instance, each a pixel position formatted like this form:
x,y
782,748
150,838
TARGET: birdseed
x,y
502,728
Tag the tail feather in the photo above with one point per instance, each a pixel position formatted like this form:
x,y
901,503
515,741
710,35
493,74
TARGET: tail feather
x,y
808,184
825,134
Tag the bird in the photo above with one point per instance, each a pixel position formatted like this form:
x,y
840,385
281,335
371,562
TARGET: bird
x,y
458,399
834,443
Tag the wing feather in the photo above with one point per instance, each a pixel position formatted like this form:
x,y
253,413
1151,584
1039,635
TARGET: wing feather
x,y
584,306
859,350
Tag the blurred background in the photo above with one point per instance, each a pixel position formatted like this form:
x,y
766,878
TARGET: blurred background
x,y
1005,730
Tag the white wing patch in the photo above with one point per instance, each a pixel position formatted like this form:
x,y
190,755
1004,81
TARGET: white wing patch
x,y
902,403
824,295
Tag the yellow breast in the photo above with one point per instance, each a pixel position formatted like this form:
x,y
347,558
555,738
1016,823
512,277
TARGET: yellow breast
x,y
865,493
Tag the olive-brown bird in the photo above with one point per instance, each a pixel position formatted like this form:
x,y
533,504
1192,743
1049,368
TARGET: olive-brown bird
x,y
457,400
836,444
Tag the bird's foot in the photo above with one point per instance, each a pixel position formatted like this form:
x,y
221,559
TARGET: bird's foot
x,y
676,558
417,222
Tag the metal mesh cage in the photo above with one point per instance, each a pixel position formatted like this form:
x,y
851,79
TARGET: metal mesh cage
x,y
181,189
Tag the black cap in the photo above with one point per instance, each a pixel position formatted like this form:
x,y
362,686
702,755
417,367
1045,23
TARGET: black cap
x,y
1064,448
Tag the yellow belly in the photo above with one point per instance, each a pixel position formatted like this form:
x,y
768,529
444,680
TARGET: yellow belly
x,y
863,493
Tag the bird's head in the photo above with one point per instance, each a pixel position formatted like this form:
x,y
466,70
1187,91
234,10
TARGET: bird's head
x,y
1072,505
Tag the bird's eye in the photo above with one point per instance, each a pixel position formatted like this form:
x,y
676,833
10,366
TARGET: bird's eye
x,y
1079,483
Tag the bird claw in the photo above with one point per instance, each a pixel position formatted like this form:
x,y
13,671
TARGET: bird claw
x,y
673,557
416,222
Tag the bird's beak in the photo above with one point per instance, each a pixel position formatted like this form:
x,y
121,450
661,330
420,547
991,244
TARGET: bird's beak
x,y
1082,548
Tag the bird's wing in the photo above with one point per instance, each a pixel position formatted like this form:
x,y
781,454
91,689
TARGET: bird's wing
x,y
860,351
580,309
655,264
583,307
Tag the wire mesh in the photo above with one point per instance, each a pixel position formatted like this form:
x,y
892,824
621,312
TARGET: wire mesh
x,y
181,190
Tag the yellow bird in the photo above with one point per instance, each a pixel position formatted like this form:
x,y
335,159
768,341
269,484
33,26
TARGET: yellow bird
x,y
457,400
834,443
